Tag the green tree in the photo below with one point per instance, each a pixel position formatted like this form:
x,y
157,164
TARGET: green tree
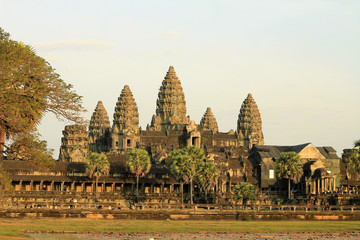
x,y
353,160
183,165
138,162
97,165
29,87
206,176
244,191
289,166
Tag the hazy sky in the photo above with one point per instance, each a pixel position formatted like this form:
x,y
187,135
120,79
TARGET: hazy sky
x,y
299,59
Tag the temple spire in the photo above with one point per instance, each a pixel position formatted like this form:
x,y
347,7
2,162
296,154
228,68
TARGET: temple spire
x,y
126,120
208,121
249,125
170,105
99,129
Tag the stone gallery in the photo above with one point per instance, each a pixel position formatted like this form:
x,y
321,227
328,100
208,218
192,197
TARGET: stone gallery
x,y
240,156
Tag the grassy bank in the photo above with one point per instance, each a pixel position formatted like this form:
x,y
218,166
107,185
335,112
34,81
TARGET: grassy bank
x,y
17,227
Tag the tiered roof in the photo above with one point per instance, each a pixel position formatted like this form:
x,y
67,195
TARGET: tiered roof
x,y
171,104
126,114
249,125
208,121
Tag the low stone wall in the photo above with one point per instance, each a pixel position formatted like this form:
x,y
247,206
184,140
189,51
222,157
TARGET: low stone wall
x,y
180,215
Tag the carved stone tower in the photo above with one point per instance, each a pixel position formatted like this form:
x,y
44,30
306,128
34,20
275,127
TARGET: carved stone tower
x,y
170,105
125,129
99,130
208,121
74,144
249,126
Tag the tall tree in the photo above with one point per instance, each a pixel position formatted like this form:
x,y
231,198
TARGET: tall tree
x,y
97,165
289,166
29,87
353,160
183,165
138,162
206,176
244,191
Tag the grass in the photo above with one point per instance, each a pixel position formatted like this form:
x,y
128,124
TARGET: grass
x,y
18,227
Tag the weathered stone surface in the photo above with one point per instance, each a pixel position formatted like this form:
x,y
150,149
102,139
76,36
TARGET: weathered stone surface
x,y
99,130
74,144
249,125
126,121
208,121
170,105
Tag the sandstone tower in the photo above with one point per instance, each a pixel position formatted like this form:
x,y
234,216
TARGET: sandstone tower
x,y
125,129
208,122
170,105
249,126
99,130
74,144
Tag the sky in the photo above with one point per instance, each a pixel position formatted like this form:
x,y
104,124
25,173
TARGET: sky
x,y
299,59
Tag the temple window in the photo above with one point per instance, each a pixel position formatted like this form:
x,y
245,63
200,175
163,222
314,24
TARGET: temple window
x,y
271,174
128,142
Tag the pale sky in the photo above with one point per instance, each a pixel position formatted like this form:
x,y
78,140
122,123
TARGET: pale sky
x,y
299,59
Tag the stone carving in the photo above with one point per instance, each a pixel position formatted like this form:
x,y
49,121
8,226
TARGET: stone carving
x,y
74,144
126,121
126,114
170,105
208,121
249,126
99,130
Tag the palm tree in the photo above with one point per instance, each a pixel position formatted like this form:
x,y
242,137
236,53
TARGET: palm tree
x,y
244,191
138,162
183,165
206,176
97,165
353,159
289,166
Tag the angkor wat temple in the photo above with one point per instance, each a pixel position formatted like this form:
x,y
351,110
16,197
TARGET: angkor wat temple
x,y
240,155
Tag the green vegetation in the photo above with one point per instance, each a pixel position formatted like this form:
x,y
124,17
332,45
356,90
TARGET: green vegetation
x,y
30,87
289,166
206,176
184,165
97,165
17,227
353,161
244,191
138,162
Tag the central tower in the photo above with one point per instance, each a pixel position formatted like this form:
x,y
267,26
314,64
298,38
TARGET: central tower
x,y
170,105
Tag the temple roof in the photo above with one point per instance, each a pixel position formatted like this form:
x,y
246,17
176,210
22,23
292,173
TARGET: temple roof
x,y
171,104
99,120
126,114
208,121
249,125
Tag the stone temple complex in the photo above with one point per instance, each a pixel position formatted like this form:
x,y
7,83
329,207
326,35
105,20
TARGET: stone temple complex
x,y
240,155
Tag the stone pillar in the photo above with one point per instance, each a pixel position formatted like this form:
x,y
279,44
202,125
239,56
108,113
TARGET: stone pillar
x,y
52,186
162,188
83,188
318,186
62,186
41,185
20,185
113,187
171,188
31,185
72,187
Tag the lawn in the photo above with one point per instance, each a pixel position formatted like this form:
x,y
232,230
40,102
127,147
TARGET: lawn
x,y
17,227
